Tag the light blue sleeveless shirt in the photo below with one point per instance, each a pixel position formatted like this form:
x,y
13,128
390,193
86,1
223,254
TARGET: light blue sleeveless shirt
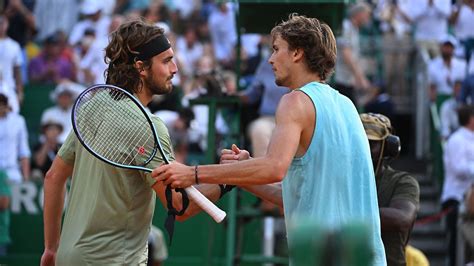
x,y
333,183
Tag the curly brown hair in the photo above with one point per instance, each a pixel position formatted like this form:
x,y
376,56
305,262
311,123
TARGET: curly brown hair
x,y
315,38
121,51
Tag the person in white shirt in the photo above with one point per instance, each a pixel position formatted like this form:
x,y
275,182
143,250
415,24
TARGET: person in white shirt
x,y
444,70
11,60
92,10
64,95
55,15
462,20
157,249
449,112
188,51
15,152
92,64
223,31
205,82
349,75
459,172
397,44
430,18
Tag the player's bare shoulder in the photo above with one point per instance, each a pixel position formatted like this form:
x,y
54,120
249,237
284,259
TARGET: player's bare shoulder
x,y
296,106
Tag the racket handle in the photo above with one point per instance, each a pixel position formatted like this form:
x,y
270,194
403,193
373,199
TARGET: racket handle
x,y
217,214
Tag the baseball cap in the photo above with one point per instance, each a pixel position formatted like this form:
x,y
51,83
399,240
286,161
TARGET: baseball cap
x,y
90,7
448,38
377,126
66,87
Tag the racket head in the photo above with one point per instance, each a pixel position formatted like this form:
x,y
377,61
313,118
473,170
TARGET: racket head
x,y
115,127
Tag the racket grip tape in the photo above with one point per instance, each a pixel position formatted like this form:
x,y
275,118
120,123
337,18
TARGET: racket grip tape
x,y
217,214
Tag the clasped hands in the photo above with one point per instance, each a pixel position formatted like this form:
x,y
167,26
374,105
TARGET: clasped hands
x,y
181,176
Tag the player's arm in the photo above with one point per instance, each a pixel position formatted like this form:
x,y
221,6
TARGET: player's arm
x,y
54,191
291,117
270,192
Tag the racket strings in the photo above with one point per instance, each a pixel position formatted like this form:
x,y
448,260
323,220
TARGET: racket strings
x,y
116,152
141,150
133,136
115,127
97,113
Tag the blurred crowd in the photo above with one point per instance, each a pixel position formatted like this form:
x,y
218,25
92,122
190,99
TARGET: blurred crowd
x,y
61,43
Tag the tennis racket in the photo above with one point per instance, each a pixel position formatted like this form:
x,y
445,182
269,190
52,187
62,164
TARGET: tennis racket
x,y
114,126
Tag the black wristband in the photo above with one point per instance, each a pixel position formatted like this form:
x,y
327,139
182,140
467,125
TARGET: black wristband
x,y
225,189
196,174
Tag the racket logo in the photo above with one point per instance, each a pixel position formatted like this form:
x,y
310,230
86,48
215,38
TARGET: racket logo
x,y
141,150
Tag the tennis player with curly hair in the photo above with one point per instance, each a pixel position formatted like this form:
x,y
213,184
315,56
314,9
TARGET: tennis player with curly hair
x,y
109,212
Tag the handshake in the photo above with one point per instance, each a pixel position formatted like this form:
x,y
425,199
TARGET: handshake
x,y
181,176
233,155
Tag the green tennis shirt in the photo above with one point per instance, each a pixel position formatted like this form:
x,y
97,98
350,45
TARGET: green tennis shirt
x,y
109,209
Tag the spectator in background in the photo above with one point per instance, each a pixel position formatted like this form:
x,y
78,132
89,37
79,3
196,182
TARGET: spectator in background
x,y
11,59
93,19
92,65
397,43
157,250
444,70
63,95
23,25
349,75
203,32
188,51
449,112
14,152
5,194
81,49
462,18
430,19
459,173
50,67
67,51
264,90
223,33
207,81
46,150
251,53
467,91
380,101
55,15
178,123
184,8
20,15
398,192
